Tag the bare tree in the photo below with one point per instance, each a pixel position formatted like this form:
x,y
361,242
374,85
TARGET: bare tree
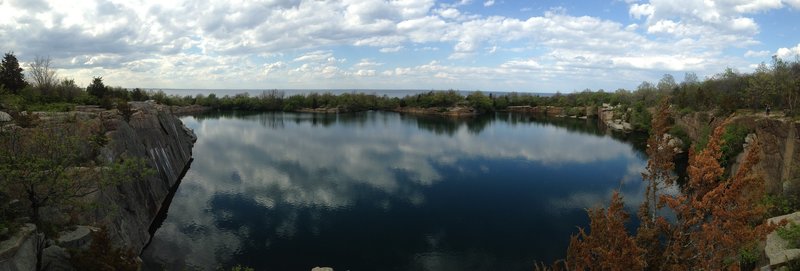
x,y
42,74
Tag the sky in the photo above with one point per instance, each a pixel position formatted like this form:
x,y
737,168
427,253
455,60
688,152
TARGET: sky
x,y
490,45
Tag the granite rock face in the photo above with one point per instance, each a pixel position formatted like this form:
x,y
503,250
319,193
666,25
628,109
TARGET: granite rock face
x,y
155,134
18,252
776,248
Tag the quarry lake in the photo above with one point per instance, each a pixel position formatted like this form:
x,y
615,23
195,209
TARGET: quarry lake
x,y
387,191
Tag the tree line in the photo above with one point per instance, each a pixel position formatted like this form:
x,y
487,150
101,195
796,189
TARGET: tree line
x,y
776,85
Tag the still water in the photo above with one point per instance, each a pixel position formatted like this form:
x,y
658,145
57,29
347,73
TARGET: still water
x,y
386,191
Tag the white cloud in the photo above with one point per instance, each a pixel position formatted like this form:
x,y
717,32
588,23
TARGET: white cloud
x,y
758,5
751,53
793,3
187,44
449,13
488,3
272,67
391,49
788,53
365,73
315,56
367,63
641,10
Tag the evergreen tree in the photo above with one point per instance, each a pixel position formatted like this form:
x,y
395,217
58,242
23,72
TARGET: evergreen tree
x,y
11,76
97,88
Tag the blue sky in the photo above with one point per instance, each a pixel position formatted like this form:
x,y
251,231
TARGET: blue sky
x,y
500,45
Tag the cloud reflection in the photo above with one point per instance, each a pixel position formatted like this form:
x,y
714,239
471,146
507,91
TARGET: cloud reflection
x,y
299,169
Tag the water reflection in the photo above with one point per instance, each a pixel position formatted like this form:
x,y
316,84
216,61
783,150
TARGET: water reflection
x,y
387,191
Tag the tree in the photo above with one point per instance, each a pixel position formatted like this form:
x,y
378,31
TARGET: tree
x,y
658,177
43,75
667,83
716,218
786,83
53,166
11,76
759,86
479,101
97,88
137,94
608,246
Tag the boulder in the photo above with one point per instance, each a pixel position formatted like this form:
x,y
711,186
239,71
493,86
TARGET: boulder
x,y
81,237
776,247
19,251
56,258
322,269
5,117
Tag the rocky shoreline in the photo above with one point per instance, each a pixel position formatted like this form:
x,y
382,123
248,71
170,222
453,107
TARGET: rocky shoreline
x,y
127,210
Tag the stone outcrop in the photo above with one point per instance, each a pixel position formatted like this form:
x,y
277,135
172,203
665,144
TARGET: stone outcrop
x,y
127,210
776,248
5,117
18,252
606,115
779,146
158,136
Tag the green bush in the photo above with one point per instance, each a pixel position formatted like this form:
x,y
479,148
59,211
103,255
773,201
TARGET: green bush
x,y
125,109
791,233
733,141
778,205
679,132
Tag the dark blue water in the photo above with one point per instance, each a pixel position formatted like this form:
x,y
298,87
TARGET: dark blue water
x,y
385,191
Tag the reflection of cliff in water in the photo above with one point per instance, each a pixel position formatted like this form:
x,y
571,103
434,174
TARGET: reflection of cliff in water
x,y
591,126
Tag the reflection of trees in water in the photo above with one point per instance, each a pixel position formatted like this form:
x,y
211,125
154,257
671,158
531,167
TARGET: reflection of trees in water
x,y
440,125
590,126
448,125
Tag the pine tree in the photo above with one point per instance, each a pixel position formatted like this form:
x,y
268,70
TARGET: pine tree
x,y
717,218
658,176
11,76
97,88
608,247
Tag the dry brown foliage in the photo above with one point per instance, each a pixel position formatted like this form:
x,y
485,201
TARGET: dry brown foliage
x,y
716,217
608,247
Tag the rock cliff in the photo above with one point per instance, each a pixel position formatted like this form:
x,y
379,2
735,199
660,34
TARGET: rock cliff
x,y
127,210
155,134
779,142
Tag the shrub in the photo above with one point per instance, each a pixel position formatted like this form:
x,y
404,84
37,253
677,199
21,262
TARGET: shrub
x,y
125,109
680,133
792,234
733,137
780,204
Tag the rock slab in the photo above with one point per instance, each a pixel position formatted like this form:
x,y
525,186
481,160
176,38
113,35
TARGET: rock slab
x,y
777,248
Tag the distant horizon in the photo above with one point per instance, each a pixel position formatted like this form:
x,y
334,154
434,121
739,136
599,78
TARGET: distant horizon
x,y
287,92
